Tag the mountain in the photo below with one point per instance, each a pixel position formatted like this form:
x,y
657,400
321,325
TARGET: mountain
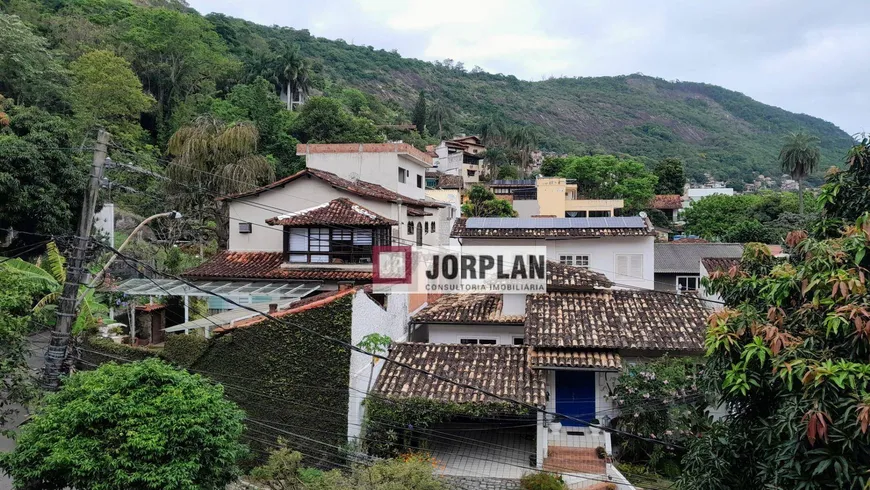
x,y
712,129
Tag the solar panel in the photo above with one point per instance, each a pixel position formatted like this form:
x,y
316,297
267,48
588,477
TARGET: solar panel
x,y
552,223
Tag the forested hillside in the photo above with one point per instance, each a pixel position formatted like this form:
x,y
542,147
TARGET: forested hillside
x,y
183,59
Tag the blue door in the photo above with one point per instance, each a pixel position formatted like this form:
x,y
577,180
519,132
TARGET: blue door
x,y
575,396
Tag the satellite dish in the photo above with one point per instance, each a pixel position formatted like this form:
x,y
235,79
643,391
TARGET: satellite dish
x,y
642,214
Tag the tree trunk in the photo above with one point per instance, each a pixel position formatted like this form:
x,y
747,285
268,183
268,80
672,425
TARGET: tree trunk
x,y
222,225
289,98
800,196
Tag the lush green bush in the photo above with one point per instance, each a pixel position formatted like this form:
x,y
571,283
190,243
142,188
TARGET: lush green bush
x,y
143,425
663,399
542,481
184,350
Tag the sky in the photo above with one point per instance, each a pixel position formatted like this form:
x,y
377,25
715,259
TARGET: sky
x,y
806,56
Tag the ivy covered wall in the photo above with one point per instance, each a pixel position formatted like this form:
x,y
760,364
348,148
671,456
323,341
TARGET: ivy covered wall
x,y
292,385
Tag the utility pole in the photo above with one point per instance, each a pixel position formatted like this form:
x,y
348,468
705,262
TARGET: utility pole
x,y
66,310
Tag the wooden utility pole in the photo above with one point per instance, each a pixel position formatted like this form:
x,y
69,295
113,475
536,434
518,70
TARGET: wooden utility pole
x,y
56,353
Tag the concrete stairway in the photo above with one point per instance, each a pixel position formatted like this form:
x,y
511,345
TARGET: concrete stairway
x,y
574,460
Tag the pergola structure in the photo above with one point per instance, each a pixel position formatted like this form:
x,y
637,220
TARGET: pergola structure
x,y
242,292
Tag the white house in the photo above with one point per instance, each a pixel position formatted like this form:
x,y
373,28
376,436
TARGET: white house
x,y
620,248
678,264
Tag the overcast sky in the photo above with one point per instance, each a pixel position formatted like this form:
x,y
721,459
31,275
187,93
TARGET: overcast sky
x,y
805,56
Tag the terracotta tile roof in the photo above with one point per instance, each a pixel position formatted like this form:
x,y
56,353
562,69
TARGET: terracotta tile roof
x,y
417,212
618,319
338,212
466,308
500,369
568,278
360,188
541,357
150,307
449,181
686,241
309,303
667,201
266,265
403,148
461,231
719,263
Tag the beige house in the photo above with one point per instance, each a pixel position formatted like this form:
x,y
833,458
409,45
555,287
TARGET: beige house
x,y
553,197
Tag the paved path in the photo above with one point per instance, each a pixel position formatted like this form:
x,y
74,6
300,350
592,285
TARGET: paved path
x,y
37,350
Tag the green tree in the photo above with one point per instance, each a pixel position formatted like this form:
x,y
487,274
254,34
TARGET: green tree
x,y
31,73
552,167
441,117
610,177
41,178
293,73
523,140
419,116
325,120
713,216
483,203
506,172
175,55
845,195
105,92
220,159
672,176
143,425
799,157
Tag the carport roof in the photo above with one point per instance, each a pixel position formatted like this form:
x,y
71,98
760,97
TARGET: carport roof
x,y
233,289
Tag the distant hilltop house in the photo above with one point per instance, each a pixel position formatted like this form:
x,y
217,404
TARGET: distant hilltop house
x,y
462,156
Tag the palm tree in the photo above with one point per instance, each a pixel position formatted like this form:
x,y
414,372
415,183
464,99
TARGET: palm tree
x,y
799,157
440,116
293,72
524,141
219,159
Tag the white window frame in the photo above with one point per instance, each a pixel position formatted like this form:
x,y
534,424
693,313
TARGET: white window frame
x,y
402,174
574,260
477,341
521,339
633,261
697,280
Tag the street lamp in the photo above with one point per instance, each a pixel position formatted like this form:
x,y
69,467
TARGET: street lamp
x,y
96,279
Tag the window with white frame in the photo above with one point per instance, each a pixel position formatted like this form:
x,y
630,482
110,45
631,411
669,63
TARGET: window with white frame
x,y
687,283
629,266
402,175
519,340
245,227
575,260
474,341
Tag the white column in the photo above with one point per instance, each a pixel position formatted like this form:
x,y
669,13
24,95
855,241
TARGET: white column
x,y
541,452
186,310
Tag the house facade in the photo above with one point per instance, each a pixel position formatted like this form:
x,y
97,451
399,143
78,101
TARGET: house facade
x,y
669,204
462,156
678,263
553,197
619,248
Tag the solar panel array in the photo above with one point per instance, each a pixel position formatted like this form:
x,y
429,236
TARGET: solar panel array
x,y
556,223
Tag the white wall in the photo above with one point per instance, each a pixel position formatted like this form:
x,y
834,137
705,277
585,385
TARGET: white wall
x,y
526,208
376,167
444,216
601,251
450,334
712,301
369,317
307,193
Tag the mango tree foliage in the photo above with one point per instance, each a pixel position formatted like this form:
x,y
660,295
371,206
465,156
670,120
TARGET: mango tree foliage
x,y
672,176
483,203
105,92
325,120
143,425
721,217
792,354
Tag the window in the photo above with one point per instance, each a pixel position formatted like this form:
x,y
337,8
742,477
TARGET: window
x,y
599,214
471,172
575,214
410,228
432,227
576,260
629,266
402,175
244,227
426,228
687,283
477,341
336,246
420,181
519,340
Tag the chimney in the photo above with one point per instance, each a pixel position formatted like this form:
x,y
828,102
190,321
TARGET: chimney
x,y
273,308
513,304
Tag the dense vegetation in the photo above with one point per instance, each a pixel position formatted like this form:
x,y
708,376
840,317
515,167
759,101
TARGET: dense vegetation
x,y
789,354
